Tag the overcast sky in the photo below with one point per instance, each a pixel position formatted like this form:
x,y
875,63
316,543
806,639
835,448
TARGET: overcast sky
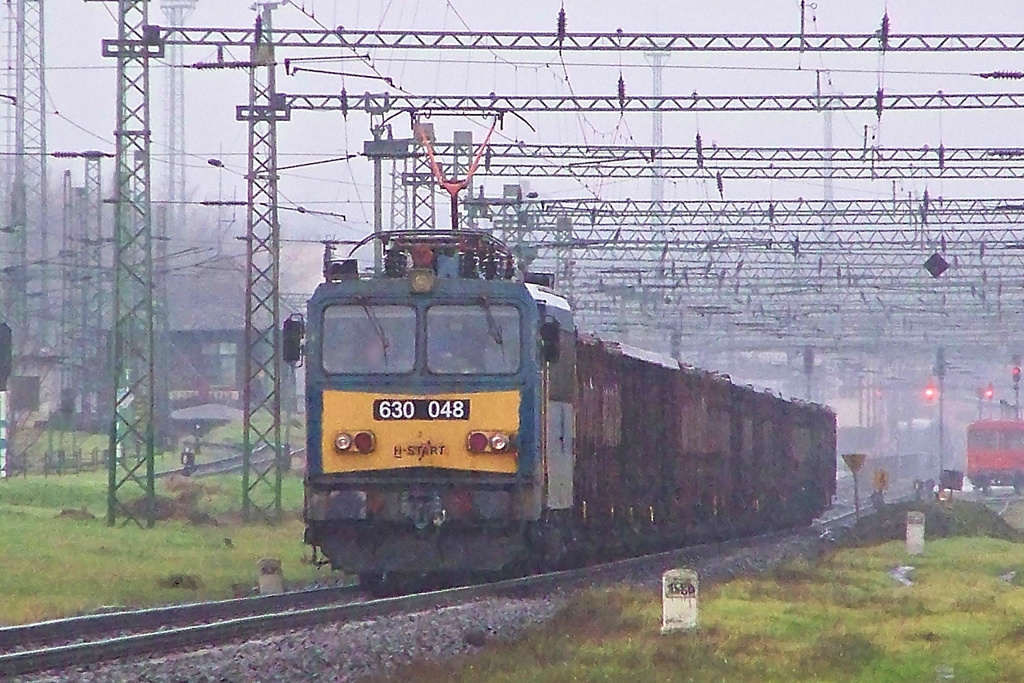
x,y
81,89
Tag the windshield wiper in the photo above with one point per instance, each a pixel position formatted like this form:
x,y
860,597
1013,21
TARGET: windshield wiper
x,y
492,324
377,327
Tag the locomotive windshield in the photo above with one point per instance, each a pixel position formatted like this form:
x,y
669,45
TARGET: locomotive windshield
x,y
365,339
480,339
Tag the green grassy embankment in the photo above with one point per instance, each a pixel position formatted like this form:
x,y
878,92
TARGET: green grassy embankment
x,y
60,558
844,618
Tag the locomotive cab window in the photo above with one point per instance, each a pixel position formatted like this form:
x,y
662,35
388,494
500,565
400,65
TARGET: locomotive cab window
x,y
369,339
480,339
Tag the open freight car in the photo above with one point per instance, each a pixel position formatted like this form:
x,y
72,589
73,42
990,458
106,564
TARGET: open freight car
x,y
669,455
458,423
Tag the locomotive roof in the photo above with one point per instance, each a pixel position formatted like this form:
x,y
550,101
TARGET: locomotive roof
x,y
547,297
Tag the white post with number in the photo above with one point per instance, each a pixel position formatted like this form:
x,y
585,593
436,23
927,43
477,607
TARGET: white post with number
x,y
678,600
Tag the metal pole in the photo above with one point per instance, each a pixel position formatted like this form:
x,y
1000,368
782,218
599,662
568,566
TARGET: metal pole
x,y
856,497
378,211
261,483
940,372
942,437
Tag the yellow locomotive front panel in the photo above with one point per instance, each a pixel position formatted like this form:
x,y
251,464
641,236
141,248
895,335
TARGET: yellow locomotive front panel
x,y
372,431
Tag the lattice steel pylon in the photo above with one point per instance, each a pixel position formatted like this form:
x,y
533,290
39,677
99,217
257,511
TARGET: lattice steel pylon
x,y
96,289
29,191
70,342
177,12
130,458
261,480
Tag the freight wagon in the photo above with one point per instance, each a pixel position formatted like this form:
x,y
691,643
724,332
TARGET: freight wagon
x,y
458,422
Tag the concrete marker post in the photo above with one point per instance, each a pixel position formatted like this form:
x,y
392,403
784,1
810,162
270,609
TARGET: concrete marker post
x,y
915,533
270,577
679,588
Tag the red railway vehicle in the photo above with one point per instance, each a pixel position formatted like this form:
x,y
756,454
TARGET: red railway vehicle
x,y
995,453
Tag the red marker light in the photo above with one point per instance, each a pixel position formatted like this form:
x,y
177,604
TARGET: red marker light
x,y
422,256
364,442
477,442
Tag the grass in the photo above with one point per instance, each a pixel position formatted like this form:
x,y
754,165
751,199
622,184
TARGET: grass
x,y
840,619
57,565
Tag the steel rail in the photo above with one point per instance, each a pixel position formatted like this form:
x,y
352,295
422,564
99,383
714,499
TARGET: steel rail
x,y
175,639
155,618
618,41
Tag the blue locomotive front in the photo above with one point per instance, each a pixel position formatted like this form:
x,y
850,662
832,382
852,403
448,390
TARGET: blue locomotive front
x,y
427,396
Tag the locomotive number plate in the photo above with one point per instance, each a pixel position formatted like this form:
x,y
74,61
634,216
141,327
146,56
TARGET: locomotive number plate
x,y
420,409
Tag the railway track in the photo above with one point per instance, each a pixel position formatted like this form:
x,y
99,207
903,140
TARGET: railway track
x,y
227,465
164,630
81,640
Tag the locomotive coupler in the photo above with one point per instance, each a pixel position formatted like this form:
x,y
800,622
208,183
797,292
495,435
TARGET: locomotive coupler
x,y
424,511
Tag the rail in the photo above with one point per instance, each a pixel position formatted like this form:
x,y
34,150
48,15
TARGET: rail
x,y
233,463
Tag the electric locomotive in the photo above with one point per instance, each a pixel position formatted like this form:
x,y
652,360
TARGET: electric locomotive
x,y
439,426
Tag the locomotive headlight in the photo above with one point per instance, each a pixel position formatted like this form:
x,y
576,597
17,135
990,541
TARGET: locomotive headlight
x,y
342,442
421,280
499,442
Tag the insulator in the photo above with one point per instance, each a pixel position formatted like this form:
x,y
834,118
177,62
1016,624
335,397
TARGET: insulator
x,y
344,103
883,35
718,179
942,157
878,103
622,92
561,26
700,153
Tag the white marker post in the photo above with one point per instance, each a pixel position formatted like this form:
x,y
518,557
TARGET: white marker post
x,y
6,365
3,434
270,578
915,533
678,600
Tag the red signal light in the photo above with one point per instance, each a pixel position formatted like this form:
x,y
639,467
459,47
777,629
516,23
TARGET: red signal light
x,y
1016,374
930,392
989,392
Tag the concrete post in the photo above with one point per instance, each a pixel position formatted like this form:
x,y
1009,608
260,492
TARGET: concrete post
x,y
915,533
270,578
679,600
